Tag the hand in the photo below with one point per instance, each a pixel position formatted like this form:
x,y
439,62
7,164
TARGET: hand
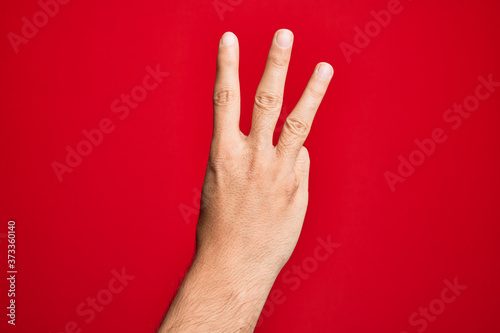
x,y
254,196
257,193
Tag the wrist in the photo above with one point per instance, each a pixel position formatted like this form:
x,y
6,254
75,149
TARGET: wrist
x,y
240,277
219,289
238,268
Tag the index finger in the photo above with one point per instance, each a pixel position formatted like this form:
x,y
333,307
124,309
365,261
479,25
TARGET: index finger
x,y
227,89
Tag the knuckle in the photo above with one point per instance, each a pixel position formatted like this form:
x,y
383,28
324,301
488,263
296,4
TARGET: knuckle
x,y
216,163
221,157
267,101
225,97
297,126
316,93
256,167
278,61
259,166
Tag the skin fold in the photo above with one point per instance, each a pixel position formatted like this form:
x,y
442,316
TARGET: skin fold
x,y
254,196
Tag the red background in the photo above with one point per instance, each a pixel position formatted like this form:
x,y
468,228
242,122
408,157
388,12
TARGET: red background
x,y
120,208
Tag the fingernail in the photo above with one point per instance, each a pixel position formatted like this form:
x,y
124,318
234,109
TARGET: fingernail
x,y
228,39
325,71
284,38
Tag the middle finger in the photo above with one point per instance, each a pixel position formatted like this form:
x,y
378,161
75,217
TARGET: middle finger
x,y
269,96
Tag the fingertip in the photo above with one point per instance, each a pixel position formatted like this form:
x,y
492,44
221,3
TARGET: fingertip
x,y
228,39
324,71
284,38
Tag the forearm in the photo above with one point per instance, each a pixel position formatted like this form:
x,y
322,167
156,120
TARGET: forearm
x,y
218,295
